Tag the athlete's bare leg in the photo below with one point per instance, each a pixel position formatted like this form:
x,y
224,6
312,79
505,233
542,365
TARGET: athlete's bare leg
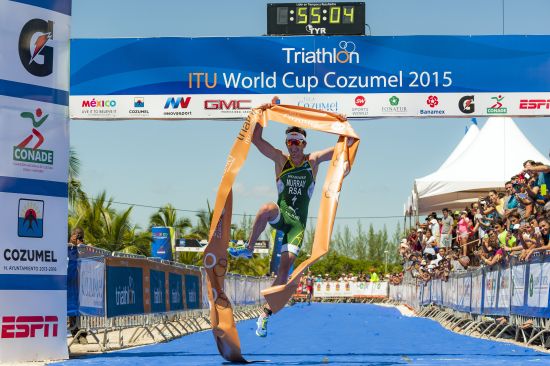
x,y
267,212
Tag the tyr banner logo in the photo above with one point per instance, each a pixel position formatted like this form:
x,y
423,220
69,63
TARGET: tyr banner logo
x,y
36,56
29,326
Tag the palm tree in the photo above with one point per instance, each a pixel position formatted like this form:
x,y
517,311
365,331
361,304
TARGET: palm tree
x,y
167,216
202,228
75,187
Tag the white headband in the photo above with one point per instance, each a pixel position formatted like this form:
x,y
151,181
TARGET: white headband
x,y
295,136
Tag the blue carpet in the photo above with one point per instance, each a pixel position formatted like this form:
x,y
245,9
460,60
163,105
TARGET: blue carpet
x,y
332,334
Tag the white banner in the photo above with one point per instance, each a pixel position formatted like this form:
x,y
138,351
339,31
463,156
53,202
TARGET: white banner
x,y
33,326
490,295
504,288
518,285
91,284
350,289
33,233
477,282
34,146
35,45
237,106
537,292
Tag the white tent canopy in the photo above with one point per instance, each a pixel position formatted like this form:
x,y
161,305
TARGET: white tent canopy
x,y
468,138
487,162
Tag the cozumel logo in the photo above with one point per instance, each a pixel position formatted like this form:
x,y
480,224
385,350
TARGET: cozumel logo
x,y
30,218
23,151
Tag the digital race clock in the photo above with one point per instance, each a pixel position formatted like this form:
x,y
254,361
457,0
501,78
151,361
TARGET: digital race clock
x,y
316,19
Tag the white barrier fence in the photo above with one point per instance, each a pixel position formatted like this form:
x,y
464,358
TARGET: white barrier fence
x,y
350,289
241,290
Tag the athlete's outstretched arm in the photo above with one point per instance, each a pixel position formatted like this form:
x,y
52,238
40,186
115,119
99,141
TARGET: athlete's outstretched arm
x,y
265,147
322,155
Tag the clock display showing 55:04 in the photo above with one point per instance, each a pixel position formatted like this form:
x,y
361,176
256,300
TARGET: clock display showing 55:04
x,y
317,15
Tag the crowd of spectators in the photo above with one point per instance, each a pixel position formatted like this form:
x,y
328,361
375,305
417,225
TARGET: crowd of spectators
x,y
501,225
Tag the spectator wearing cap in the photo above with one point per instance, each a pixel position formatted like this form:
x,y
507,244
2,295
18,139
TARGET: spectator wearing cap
x,y
447,223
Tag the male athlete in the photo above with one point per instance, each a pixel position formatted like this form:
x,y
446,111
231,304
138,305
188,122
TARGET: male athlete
x,y
295,174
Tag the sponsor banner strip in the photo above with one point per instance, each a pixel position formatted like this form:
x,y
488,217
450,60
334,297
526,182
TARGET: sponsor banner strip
x,y
60,6
33,282
33,186
34,92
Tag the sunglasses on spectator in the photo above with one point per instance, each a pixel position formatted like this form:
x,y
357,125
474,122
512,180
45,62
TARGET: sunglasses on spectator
x,y
295,142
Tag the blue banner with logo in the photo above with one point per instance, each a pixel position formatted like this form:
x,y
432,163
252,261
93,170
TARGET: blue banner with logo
x,y
192,291
360,76
157,286
175,288
124,291
536,293
161,246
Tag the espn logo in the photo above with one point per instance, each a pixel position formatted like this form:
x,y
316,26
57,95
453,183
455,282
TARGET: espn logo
x,y
534,104
29,326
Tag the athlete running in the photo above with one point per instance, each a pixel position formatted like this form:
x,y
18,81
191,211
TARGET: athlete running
x,y
309,287
295,176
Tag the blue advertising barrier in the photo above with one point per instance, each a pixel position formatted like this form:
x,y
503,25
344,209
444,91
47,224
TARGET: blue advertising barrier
x,y
124,291
157,288
192,285
161,247
175,295
512,288
536,289
72,281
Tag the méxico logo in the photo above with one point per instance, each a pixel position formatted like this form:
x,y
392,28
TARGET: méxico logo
x,y
30,222
35,54
497,107
28,150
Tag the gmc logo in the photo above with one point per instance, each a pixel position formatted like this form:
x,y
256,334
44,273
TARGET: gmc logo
x,y
224,105
27,326
534,104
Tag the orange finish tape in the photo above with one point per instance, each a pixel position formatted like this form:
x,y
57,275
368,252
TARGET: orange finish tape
x,y
215,254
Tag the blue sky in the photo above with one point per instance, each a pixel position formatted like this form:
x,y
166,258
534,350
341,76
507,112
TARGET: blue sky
x,y
156,162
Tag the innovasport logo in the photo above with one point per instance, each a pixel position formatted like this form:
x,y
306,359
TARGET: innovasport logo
x,y
35,53
344,53
30,222
25,151
177,103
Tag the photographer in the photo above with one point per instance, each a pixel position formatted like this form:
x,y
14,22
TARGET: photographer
x,y
542,185
525,204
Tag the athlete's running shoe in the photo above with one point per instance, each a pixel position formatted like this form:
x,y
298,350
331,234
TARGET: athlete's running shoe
x,y
261,326
240,251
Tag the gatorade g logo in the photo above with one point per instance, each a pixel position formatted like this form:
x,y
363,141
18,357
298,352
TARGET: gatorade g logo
x,y
36,56
466,104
